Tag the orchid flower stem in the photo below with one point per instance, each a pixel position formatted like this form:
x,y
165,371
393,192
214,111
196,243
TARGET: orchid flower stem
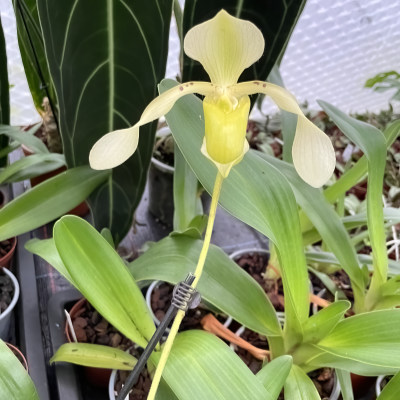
x,y
198,272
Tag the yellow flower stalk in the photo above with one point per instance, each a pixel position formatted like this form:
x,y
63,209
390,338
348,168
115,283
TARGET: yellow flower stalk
x,y
225,46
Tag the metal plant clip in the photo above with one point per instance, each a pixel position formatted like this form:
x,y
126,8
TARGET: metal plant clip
x,y
183,298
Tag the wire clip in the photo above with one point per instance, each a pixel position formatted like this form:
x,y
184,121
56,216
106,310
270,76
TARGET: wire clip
x,y
184,296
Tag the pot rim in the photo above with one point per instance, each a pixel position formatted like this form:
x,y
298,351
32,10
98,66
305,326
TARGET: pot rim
x,y
240,252
16,349
15,298
77,306
12,250
162,166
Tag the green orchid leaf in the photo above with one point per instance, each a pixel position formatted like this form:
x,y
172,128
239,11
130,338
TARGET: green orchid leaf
x,y
204,366
346,386
29,167
358,172
372,142
187,203
322,257
327,281
365,344
299,386
328,224
48,201
276,20
15,383
392,389
107,89
94,355
391,287
265,202
47,250
319,325
106,233
103,278
27,138
223,283
273,375
30,40
4,96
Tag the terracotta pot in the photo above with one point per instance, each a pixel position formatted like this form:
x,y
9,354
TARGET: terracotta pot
x,y
19,355
5,260
81,209
96,376
5,316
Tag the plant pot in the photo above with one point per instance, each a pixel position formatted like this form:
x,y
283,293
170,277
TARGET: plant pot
x,y
5,260
96,376
149,293
5,316
19,355
81,209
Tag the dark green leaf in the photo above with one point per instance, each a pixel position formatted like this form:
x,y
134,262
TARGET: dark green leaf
x,y
4,94
105,70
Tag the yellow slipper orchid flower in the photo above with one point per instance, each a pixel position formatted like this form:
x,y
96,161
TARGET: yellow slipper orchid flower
x,y
225,46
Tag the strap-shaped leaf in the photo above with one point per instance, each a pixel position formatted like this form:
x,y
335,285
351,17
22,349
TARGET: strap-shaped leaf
x,y
328,224
202,367
299,386
103,278
48,201
27,138
392,389
366,344
94,355
223,283
346,387
15,383
256,193
4,94
105,70
29,167
274,374
276,20
319,325
372,142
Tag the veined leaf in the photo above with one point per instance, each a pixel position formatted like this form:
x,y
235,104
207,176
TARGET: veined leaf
x,y
48,201
223,283
276,20
105,70
29,167
94,355
103,278
15,383
372,142
265,202
299,386
274,374
202,367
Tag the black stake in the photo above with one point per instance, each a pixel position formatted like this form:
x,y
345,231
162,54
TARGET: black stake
x,y
183,296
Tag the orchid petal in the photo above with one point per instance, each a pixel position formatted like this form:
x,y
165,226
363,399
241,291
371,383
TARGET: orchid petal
x,y
164,102
225,46
313,153
114,148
